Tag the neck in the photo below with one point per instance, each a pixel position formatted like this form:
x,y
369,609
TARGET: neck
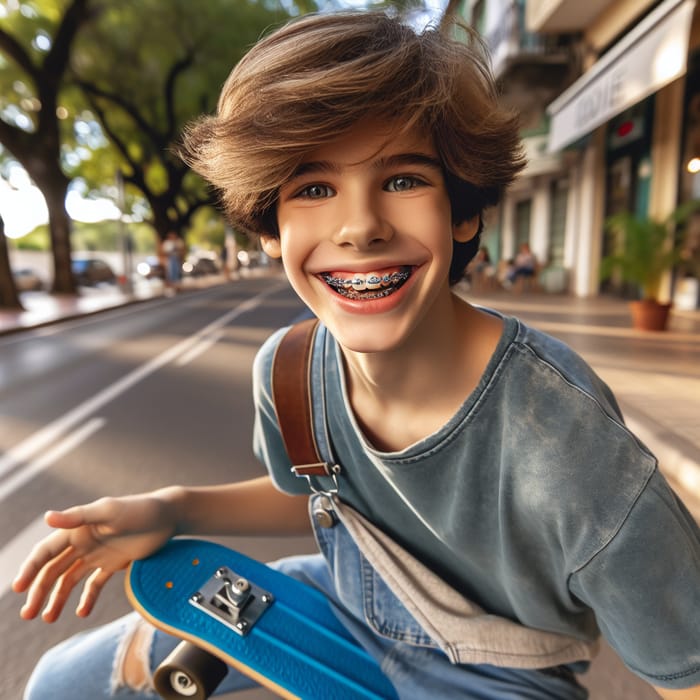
x,y
403,395
417,360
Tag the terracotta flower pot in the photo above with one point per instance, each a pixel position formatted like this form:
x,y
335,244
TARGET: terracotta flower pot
x,y
650,315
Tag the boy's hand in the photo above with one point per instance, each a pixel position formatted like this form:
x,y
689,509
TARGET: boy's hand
x,y
91,543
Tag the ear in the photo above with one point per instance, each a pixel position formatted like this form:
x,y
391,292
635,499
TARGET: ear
x,y
271,246
464,232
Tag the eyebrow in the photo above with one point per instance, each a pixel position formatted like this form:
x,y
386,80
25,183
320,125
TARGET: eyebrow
x,y
397,160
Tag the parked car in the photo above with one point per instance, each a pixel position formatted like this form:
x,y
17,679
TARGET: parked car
x,y
198,267
26,280
250,258
89,272
151,268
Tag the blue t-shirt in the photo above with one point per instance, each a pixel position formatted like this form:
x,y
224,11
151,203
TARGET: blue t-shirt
x,y
534,501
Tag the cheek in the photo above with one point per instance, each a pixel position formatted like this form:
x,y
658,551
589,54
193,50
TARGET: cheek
x,y
295,251
434,231
426,218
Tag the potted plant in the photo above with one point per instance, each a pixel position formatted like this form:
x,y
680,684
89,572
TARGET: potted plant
x,y
648,250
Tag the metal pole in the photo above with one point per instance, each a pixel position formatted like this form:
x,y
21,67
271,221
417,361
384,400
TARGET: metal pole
x,y
124,236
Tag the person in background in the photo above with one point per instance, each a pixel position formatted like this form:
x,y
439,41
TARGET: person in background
x,y
174,250
524,265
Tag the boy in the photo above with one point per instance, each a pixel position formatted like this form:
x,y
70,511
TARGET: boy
x,y
364,155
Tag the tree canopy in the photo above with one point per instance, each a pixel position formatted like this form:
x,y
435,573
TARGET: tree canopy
x,y
159,86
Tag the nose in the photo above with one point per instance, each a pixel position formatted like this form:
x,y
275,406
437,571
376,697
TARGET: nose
x,y
362,224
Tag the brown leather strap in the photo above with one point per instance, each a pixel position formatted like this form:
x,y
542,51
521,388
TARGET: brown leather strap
x,y
291,391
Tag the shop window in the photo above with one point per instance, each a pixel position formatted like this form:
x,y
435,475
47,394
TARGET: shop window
x,y
523,213
557,226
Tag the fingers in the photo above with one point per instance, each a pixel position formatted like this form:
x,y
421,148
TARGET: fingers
x,y
62,589
66,523
91,591
42,554
45,578
88,514
58,563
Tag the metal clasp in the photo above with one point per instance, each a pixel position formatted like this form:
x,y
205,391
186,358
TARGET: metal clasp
x,y
318,470
232,600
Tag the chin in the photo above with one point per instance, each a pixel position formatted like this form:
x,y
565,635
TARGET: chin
x,y
367,337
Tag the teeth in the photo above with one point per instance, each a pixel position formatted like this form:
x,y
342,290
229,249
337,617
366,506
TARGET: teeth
x,y
373,284
359,284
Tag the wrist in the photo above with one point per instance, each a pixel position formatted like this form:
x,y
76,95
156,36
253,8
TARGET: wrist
x,y
174,500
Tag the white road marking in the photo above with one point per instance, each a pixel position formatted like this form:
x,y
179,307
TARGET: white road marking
x,y
69,443
202,346
25,450
17,549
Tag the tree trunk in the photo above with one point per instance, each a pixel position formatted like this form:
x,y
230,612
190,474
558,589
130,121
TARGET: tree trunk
x,y
60,229
39,152
54,184
9,299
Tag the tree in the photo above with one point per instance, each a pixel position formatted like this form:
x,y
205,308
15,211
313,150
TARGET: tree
x,y
8,292
30,118
163,81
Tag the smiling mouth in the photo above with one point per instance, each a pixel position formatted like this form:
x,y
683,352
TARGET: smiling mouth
x,y
373,285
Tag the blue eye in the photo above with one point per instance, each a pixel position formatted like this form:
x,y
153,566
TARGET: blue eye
x,y
315,192
402,183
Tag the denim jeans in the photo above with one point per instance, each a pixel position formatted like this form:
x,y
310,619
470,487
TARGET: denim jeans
x,y
87,665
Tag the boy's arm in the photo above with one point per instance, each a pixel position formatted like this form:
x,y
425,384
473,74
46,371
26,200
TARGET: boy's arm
x,y
254,507
685,694
93,541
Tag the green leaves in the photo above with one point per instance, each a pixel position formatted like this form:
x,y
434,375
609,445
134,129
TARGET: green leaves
x,y
646,249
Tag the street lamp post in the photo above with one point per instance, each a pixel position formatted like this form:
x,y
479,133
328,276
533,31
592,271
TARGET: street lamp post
x,y
124,236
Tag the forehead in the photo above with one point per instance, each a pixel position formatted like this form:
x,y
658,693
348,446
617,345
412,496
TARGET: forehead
x,y
371,141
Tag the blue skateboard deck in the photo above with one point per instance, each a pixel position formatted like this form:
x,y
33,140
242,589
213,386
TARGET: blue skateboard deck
x,y
271,627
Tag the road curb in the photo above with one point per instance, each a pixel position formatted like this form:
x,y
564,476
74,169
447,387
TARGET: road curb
x,y
74,315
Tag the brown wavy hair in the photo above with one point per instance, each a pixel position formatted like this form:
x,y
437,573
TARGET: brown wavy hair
x,y
313,79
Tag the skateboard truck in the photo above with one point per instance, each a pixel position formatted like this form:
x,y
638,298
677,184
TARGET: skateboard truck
x,y
232,600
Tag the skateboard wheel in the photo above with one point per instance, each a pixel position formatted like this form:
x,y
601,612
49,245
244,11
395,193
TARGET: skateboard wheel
x,y
189,672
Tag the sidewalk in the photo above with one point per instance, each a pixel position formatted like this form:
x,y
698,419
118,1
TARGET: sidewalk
x,y
41,309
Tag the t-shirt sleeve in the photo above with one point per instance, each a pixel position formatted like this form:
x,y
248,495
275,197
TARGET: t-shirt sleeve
x,y
644,586
268,444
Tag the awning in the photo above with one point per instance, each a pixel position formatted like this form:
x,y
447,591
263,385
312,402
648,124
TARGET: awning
x,y
653,54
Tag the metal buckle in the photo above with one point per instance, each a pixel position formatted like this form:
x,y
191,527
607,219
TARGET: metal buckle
x,y
318,470
232,600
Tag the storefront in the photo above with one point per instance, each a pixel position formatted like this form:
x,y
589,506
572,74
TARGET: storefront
x,y
621,122
687,285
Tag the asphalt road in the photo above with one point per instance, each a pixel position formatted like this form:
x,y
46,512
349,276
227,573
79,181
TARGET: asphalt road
x,y
126,401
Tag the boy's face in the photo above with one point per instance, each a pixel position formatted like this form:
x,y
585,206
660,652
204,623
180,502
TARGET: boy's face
x,y
366,236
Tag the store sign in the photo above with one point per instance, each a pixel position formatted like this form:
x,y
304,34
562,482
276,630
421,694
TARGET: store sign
x,y
650,56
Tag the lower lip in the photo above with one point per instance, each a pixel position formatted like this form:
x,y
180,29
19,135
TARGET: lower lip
x,y
373,306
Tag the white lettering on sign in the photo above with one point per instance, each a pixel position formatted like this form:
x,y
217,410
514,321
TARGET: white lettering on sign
x,y
609,95
650,56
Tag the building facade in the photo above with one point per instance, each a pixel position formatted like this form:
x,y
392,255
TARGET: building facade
x,y
609,93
